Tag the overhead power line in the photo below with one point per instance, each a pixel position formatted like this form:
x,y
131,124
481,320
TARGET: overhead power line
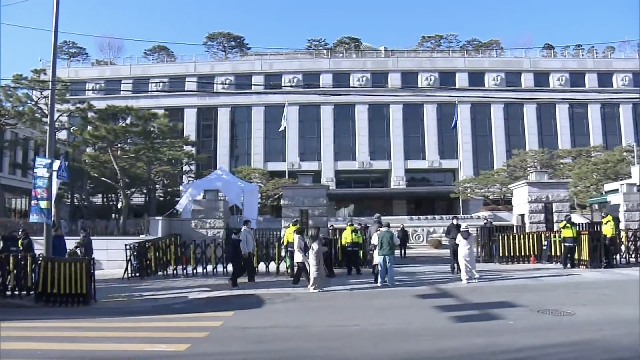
x,y
167,42
14,3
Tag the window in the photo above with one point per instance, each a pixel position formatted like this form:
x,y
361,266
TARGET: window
x,y
176,116
177,84
579,122
635,77
547,126
243,82
26,163
482,138
274,140
379,132
206,83
380,80
447,138
309,133
577,80
513,79
140,86
409,80
344,132
206,139
447,79
341,80
541,80
13,156
636,122
311,81
273,82
611,131
476,79
430,178
514,128
413,132
605,80
78,88
241,136
113,87
362,180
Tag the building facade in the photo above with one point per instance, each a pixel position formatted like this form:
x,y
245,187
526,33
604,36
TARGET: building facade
x,y
376,126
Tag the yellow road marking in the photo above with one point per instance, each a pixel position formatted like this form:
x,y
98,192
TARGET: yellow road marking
x,y
110,325
106,334
191,315
92,347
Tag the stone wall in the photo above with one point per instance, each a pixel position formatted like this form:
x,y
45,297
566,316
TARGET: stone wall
x,y
530,197
309,197
630,211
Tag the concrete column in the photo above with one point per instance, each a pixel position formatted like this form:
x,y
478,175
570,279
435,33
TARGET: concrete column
x,y
362,132
5,153
257,82
191,83
431,131
498,136
257,134
224,141
326,80
591,80
397,147
462,79
328,168
466,146
626,124
395,79
564,126
190,129
531,126
126,87
293,153
595,125
527,80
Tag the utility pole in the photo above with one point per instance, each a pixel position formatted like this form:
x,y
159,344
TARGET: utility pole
x,y
51,126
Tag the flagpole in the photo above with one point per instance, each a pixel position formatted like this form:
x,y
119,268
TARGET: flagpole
x,y
286,149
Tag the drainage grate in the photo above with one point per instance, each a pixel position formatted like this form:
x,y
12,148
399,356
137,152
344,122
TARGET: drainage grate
x,y
553,312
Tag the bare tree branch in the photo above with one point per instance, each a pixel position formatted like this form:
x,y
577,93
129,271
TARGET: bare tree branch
x,y
110,48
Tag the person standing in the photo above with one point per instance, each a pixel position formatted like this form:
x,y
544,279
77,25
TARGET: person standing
x,y
58,244
609,237
375,267
327,257
237,260
466,254
300,258
387,243
287,243
403,235
316,265
569,235
248,248
452,234
25,243
351,244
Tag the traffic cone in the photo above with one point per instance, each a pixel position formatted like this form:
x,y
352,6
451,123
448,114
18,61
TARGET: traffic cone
x,y
533,259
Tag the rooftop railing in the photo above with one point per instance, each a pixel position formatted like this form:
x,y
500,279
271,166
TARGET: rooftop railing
x,y
361,54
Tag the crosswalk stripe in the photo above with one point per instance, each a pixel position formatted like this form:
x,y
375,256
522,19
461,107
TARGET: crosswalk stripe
x,y
91,347
110,325
105,334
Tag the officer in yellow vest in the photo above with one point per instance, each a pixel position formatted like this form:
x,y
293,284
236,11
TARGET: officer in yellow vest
x,y
351,245
569,234
609,239
287,243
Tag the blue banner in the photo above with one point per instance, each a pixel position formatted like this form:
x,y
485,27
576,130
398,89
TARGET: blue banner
x,y
40,209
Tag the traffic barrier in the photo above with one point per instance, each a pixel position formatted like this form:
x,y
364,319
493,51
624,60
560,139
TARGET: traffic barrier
x,y
630,247
65,281
17,274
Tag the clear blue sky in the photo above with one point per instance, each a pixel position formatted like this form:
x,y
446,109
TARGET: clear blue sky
x,y
288,23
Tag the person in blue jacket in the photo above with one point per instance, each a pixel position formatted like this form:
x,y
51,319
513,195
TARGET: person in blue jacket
x,y
58,244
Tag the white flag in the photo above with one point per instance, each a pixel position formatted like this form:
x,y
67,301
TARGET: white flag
x,y
283,123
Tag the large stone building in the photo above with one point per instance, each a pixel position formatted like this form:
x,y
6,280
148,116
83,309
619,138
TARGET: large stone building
x,y
376,126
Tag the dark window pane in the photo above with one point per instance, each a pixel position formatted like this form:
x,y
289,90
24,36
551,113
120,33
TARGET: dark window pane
x,y
579,121
207,139
541,80
379,134
380,79
243,82
514,128
547,126
309,132
311,81
636,122
447,79
447,138
176,116
409,80
274,140
430,178
611,131
240,136
476,79
27,164
13,140
344,132
413,132
362,180
177,84
206,83
78,88
482,138
577,80
605,80
635,77
112,87
140,86
341,80
273,82
513,79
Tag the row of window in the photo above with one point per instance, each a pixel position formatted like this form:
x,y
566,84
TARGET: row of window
x,y
17,146
409,80
381,179
414,136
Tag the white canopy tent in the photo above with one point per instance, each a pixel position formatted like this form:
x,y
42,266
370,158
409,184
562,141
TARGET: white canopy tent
x,y
238,192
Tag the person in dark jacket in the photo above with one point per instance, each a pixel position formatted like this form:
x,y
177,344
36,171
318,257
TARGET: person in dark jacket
x,y
85,244
25,243
237,260
403,235
58,244
451,234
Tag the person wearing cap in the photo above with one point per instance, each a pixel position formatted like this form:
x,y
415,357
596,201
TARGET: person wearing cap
x,y
287,244
386,243
569,235
25,243
452,234
466,242
351,245
609,237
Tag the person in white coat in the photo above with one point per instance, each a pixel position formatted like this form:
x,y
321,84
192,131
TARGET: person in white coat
x,y
466,255
299,257
316,266
374,264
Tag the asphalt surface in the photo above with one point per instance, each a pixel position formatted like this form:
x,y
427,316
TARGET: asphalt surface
x,y
511,314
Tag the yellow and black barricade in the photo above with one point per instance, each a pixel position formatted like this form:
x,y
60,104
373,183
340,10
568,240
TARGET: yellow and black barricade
x,y
65,281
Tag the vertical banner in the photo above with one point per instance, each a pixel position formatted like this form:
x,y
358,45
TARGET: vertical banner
x,y
40,209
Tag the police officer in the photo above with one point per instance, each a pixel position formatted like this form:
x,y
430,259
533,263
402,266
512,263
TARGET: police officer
x,y
287,244
351,246
569,234
609,237
25,243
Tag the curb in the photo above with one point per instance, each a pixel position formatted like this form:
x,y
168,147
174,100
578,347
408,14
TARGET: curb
x,y
18,304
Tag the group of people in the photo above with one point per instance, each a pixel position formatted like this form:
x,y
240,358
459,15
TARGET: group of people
x,y
82,248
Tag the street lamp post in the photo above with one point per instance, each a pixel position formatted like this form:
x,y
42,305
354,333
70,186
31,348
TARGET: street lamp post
x,y
51,126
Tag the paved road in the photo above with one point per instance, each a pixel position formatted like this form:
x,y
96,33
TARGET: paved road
x,y
427,316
